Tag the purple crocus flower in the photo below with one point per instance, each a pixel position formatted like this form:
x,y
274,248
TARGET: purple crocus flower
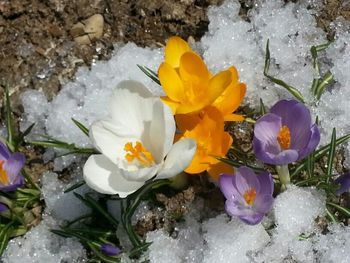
x,y
3,207
10,168
286,134
248,196
110,250
344,182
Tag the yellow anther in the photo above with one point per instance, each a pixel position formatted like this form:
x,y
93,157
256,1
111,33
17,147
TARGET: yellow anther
x,y
138,152
283,137
4,179
249,196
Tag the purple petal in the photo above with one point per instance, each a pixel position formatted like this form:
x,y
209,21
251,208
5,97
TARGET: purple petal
x,y
19,182
245,179
299,122
266,183
4,152
282,108
3,207
344,182
226,185
313,142
286,157
110,250
14,165
266,130
263,203
281,158
252,219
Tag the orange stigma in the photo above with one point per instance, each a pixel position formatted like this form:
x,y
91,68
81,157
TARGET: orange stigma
x,y
249,196
4,179
283,137
138,152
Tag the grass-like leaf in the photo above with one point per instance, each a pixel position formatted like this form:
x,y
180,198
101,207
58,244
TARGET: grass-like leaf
x,y
5,233
238,164
279,82
343,210
74,186
150,73
262,109
331,154
323,83
319,154
93,204
9,121
81,126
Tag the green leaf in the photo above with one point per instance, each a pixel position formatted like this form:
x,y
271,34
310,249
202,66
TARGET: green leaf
x,y
54,143
74,186
81,126
319,154
9,121
331,216
331,154
150,73
20,139
323,83
5,233
279,82
343,210
238,164
93,204
262,109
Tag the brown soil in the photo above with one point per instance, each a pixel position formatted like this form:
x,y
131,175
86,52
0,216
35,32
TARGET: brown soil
x,y
38,52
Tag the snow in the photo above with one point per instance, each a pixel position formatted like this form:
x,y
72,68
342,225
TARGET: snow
x,y
230,40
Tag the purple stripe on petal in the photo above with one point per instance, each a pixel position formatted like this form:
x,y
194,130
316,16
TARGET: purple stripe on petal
x,y
246,179
3,207
282,108
286,157
4,152
226,185
19,182
110,250
263,203
344,182
313,142
14,165
299,122
266,183
267,127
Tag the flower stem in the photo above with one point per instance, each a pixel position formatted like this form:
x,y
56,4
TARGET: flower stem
x,y
283,174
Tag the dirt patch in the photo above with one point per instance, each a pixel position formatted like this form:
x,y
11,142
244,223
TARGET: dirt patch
x,y
38,52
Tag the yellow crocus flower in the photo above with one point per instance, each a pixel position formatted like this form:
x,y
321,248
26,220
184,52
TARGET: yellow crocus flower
x,y
207,129
190,86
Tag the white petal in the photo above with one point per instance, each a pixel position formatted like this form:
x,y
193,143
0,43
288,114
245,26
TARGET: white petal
x,y
101,175
140,174
162,131
105,140
178,159
132,107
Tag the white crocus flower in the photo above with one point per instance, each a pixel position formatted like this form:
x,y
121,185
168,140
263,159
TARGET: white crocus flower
x,y
136,143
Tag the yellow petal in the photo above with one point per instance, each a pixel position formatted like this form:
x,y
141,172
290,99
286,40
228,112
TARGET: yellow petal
x,y
174,49
232,97
193,69
171,82
218,84
172,104
215,170
233,117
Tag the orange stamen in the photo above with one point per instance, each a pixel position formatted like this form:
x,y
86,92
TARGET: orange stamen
x,y
4,179
138,152
249,196
283,137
